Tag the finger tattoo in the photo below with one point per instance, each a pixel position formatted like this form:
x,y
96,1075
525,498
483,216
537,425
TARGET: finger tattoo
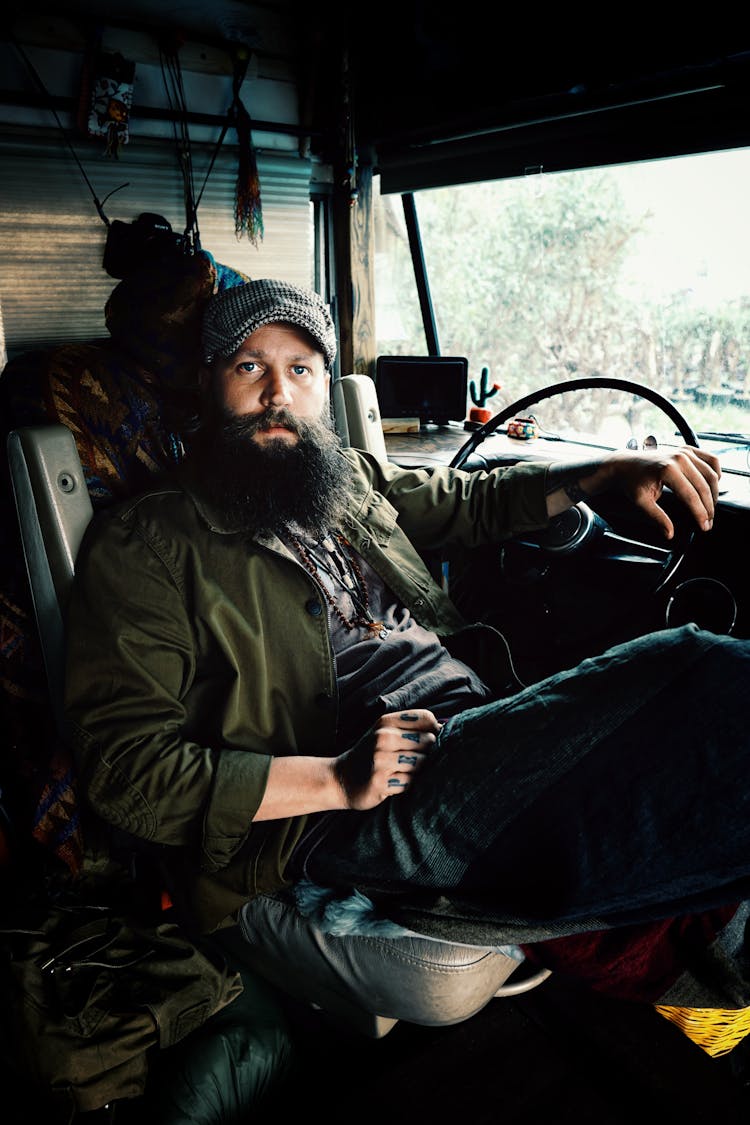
x,y
393,782
408,717
407,759
411,735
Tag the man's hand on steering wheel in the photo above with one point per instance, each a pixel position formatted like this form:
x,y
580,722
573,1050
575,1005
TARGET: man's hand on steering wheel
x,y
691,474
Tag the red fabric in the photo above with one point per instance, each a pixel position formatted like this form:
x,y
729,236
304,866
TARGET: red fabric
x,y
636,962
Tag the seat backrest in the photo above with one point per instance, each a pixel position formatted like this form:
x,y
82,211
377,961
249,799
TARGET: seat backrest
x,y
54,509
356,399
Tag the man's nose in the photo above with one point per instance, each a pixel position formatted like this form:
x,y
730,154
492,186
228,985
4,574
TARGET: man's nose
x,y
276,390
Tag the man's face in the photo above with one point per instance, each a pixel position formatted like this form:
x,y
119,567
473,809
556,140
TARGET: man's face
x,y
267,453
278,367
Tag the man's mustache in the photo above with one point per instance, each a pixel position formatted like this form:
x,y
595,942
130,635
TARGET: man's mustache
x,y
247,425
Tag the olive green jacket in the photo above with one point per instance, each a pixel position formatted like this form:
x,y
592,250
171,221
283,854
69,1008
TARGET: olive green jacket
x,y
196,653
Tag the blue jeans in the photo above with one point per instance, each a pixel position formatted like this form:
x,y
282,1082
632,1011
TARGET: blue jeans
x,y
616,792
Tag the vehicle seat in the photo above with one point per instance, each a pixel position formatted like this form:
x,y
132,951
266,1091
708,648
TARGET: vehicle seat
x,y
355,403
125,398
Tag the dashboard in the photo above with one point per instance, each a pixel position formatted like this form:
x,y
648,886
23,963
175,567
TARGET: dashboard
x,y
557,606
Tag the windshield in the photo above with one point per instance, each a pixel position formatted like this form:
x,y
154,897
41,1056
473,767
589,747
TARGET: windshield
x,y
635,271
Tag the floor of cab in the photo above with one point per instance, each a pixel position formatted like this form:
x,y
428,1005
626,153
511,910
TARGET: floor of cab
x,y
557,1054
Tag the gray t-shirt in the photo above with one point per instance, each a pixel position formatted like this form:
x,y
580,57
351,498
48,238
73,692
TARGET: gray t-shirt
x,y
409,667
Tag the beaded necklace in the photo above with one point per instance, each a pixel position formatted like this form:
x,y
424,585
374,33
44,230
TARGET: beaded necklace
x,y
348,574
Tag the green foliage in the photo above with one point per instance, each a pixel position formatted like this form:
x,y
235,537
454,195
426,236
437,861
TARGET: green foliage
x,y
524,290
529,280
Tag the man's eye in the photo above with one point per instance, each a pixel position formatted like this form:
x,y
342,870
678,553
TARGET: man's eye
x,y
249,368
299,370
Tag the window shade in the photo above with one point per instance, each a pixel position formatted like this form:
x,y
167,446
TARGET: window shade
x,y
52,285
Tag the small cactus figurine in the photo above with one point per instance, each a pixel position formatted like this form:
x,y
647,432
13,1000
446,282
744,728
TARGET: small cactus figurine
x,y
485,391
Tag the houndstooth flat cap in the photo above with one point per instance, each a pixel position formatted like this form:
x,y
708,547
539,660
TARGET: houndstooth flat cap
x,y
233,314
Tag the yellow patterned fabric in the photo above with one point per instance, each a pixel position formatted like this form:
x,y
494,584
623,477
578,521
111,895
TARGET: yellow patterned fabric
x,y
716,1030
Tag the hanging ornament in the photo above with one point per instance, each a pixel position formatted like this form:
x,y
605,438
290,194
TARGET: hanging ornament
x,y
108,85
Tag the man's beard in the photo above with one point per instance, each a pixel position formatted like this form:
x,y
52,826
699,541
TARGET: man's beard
x,y
265,488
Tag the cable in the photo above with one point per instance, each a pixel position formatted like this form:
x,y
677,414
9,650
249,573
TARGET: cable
x,y
173,85
35,76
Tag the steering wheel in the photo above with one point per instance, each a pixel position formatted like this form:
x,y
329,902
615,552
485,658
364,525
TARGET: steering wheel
x,y
580,546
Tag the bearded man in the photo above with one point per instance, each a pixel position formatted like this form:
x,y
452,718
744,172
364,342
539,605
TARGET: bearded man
x,y
265,683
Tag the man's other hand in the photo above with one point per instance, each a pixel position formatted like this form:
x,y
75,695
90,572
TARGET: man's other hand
x,y
386,760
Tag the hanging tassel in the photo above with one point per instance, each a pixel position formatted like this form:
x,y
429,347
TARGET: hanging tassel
x,y
248,211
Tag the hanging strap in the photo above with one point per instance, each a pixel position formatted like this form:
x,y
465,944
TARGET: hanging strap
x,y
248,213
241,63
40,85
